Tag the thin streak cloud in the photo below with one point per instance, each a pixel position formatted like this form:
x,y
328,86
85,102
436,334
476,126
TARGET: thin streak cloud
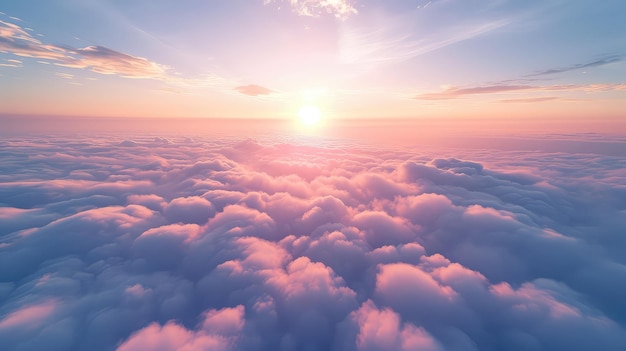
x,y
455,92
530,100
369,48
596,63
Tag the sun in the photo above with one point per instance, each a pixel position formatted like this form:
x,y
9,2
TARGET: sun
x,y
309,115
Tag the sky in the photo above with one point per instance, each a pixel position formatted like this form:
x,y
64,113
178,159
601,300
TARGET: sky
x,y
317,175
463,59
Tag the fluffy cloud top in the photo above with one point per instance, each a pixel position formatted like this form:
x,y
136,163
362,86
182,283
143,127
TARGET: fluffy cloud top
x,y
217,332
215,244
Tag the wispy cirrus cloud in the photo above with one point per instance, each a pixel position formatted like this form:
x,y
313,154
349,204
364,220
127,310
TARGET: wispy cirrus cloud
x,y
103,60
530,100
315,8
11,63
393,40
456,92
596,63
17,41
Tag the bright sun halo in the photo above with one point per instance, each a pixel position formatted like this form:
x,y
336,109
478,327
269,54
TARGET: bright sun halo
x,y
309,115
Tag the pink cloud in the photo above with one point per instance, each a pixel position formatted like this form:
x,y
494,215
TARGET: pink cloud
x,y
218,332
107,61
254,90
193,209
153,202
383,330
123,217
171,336
424,208
164,247
14,39
405,286
408,253
477,212
186,232
382,229
226,322
305,278
530,300
327,209
259,255
137,291
454,273
242,221
30,316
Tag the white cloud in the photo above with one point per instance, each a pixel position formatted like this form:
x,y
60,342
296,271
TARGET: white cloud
x,y
315,8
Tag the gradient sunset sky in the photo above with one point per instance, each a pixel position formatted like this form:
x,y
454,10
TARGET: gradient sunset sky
x,y
318,175
352,59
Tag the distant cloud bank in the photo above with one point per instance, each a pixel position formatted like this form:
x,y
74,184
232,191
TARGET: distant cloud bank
x,y
214,244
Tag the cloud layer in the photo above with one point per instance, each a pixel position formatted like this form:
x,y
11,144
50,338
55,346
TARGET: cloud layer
x,y
183,244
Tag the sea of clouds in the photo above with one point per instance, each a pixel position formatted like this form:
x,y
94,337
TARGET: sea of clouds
x,y
155,243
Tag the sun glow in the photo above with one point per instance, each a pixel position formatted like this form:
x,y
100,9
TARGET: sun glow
x,y
309,115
